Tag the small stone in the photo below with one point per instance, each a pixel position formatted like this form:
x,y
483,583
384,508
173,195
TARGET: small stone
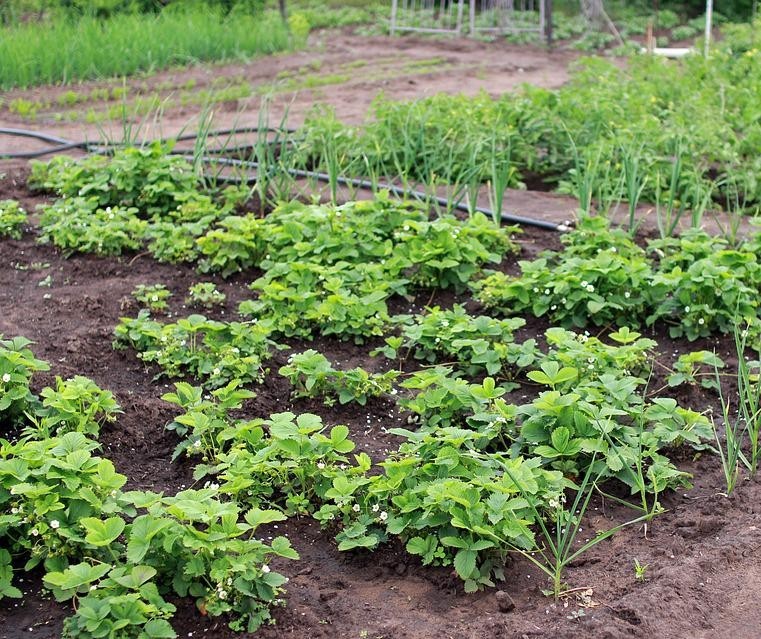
x,y
505,602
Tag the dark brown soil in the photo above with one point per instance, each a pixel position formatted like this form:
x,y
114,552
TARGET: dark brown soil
x,y
703,555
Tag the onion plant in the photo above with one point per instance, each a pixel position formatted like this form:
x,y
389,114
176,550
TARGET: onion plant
x,y
746,422
635,180
501,174
559,546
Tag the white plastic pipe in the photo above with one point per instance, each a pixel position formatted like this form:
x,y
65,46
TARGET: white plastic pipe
x,y
709,25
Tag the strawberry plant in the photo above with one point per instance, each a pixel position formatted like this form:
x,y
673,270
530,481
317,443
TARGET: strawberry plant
x,y
205,295
293,467
235,245
123,601
207,550
211,351
302,298
630,353
696,368
601,278
12,219
595,409
447,252
17,365
153,297
443,399
62,507
449,500
203,425
475,343
77,405
147,179
311,375
713,293
81,225
47,487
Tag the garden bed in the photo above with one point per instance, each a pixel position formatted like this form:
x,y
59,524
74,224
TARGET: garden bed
x,y
703,565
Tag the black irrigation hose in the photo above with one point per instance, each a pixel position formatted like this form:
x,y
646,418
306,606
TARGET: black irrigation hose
x,y
507,218
62,144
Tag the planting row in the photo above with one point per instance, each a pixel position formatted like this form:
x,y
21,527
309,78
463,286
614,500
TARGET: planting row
x,y
675,133
332,270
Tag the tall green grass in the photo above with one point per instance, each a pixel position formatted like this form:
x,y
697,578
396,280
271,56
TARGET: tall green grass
x,y
64,50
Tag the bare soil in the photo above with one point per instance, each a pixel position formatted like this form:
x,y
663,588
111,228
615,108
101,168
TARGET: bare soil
x,y
339,69
704,566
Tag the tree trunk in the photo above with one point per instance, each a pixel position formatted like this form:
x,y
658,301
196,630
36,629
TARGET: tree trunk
x,y
283,12
594,13
596,17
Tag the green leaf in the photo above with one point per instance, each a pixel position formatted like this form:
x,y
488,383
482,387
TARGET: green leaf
x,y
142,531
365,541
257,517
465,563
74,578
102,532
281,546
136,578
159,629
560,438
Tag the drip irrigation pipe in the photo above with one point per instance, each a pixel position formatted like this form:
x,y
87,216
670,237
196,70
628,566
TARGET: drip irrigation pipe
x,y
61,144
507,218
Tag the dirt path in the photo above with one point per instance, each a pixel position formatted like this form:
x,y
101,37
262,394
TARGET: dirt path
x,y
338,69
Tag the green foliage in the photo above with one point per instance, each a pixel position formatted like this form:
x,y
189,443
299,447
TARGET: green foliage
x,y
235,245
47,487
78,225
77,405
443,399
68,48
449,500
205,295
152,296
17,365
595,411
111,204
600,278
147,179
293,467
312,375
118,554
696,368
303,298
211,351
331,270
693,282
706,102
707,288
476,344
12,219
441,490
